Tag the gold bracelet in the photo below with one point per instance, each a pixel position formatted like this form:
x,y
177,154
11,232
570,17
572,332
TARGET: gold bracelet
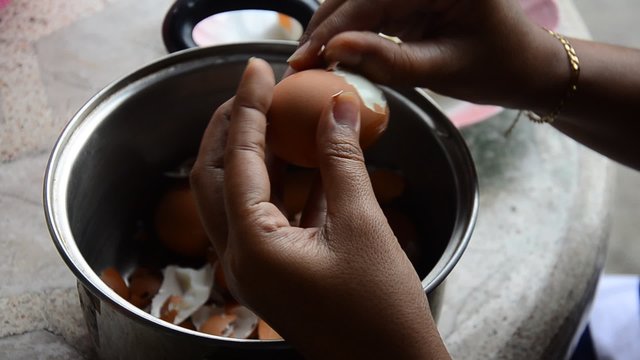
x,y
574,69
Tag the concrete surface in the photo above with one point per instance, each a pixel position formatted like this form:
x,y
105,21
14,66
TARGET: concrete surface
x,y
617,22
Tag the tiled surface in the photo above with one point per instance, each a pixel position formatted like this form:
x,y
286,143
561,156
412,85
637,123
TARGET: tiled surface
x,y
28,124
23,347
617,22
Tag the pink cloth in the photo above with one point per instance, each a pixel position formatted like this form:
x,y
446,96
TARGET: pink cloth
x,y
542,12
4,3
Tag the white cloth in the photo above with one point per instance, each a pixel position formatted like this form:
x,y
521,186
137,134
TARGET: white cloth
x,y
615,318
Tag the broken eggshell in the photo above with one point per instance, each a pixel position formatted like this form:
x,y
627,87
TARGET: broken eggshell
x,y
234,321
144,284
266,332
111,276
192,286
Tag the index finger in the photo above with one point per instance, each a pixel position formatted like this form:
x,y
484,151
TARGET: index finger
x,y
247,187
331,19
207,178
324,11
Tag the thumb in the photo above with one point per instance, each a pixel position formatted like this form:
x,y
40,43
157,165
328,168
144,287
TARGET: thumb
x,y
385,61
344,174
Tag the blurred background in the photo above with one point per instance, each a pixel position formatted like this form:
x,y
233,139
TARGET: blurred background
x,y
616,22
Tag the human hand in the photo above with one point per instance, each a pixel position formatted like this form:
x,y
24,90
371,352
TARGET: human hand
x,y
480,51
339,288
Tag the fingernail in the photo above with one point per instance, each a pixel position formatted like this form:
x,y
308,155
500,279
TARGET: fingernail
x,y
298,53
346,107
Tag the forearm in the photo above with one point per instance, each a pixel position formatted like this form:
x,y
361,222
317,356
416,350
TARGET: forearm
x,y
604,112
395,326
412,347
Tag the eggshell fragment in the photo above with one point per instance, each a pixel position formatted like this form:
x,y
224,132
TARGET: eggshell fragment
x,y
219,324
111,276
187,324
192,286
266,332
170,308
298,102
233,321
144,284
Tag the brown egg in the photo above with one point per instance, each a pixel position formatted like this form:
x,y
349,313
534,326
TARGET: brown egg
x,y
111,276
388,185
178,225
298,102
144,284
266,332
170,308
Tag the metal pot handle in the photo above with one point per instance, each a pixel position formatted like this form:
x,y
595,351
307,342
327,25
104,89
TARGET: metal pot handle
x,y
184,15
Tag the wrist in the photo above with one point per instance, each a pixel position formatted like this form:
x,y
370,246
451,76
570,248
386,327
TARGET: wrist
x,y
547,73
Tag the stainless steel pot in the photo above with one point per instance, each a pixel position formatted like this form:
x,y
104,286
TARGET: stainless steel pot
x,y
108,156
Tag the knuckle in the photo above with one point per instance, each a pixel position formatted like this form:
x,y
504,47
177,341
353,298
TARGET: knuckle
x,y
250,147
344,150
403,58
264,220
255,105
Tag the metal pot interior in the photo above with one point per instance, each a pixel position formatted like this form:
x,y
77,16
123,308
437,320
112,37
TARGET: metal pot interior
x,y
104,171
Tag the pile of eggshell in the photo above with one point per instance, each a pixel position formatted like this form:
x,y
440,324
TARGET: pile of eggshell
x,y
197,298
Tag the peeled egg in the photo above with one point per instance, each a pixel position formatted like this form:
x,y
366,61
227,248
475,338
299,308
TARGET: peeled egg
x,y
298,102
178,224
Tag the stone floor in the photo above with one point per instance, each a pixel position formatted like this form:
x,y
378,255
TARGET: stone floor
x,y
618,24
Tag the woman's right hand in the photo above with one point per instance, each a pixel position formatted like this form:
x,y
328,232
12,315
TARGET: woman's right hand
x,y
481,51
